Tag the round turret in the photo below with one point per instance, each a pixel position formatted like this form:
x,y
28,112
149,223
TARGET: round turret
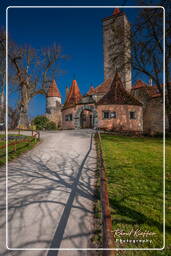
x,y
53,99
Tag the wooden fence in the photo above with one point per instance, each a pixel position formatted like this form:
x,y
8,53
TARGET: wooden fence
x,y
34,136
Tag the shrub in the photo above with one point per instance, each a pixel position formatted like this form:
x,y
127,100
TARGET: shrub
x,y
32,127
43,123
40,122
51,126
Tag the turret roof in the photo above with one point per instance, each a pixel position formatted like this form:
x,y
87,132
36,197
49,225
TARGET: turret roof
x,y
53,90
117,94
74,95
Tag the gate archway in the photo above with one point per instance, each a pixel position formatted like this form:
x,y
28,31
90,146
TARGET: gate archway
x,y
78,116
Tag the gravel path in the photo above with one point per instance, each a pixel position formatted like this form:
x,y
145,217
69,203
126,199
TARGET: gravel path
x,y
51,195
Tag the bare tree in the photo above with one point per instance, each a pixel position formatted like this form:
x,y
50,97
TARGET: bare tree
x,y
147,47
30,72
34,70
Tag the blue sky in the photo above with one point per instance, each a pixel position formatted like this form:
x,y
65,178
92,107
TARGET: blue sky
x,y
78,31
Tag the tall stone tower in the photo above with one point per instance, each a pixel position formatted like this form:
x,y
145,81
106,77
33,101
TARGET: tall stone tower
x,y
117,49
53,104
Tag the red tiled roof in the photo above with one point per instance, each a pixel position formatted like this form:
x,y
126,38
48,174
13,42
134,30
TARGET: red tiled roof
x,y
116,12
152,91
91,91
74,95
139,84
118,94
53,90
102,88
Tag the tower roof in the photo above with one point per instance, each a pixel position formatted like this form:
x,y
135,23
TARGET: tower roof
x,y
117,94
74,95
53,90
116,11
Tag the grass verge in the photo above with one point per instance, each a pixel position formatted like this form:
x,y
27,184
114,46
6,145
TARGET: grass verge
x,y
135,170
22,147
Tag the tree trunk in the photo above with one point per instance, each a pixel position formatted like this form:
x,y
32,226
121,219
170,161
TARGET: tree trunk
x,y
23,115
23,119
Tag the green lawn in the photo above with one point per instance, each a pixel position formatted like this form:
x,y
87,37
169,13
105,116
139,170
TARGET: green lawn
x,y
135,177
20,148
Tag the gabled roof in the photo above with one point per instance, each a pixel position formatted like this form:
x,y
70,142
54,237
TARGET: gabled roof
x,y
53,90
118,94
74,95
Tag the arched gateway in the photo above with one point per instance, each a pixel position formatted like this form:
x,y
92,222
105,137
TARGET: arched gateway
x,y
91,120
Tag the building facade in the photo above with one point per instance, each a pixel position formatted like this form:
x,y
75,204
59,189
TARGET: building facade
x,y
115,104
109,106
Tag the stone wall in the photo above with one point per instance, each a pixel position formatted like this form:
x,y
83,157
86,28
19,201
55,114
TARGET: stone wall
x,y
53,110
153,116
152,111
52,101
122,120
55,117
68,124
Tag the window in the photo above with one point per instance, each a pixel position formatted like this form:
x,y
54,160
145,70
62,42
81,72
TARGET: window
x,y
68,117
113,114
132,115
106,114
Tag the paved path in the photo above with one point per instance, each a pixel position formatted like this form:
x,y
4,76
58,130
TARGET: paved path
x,y
51,194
